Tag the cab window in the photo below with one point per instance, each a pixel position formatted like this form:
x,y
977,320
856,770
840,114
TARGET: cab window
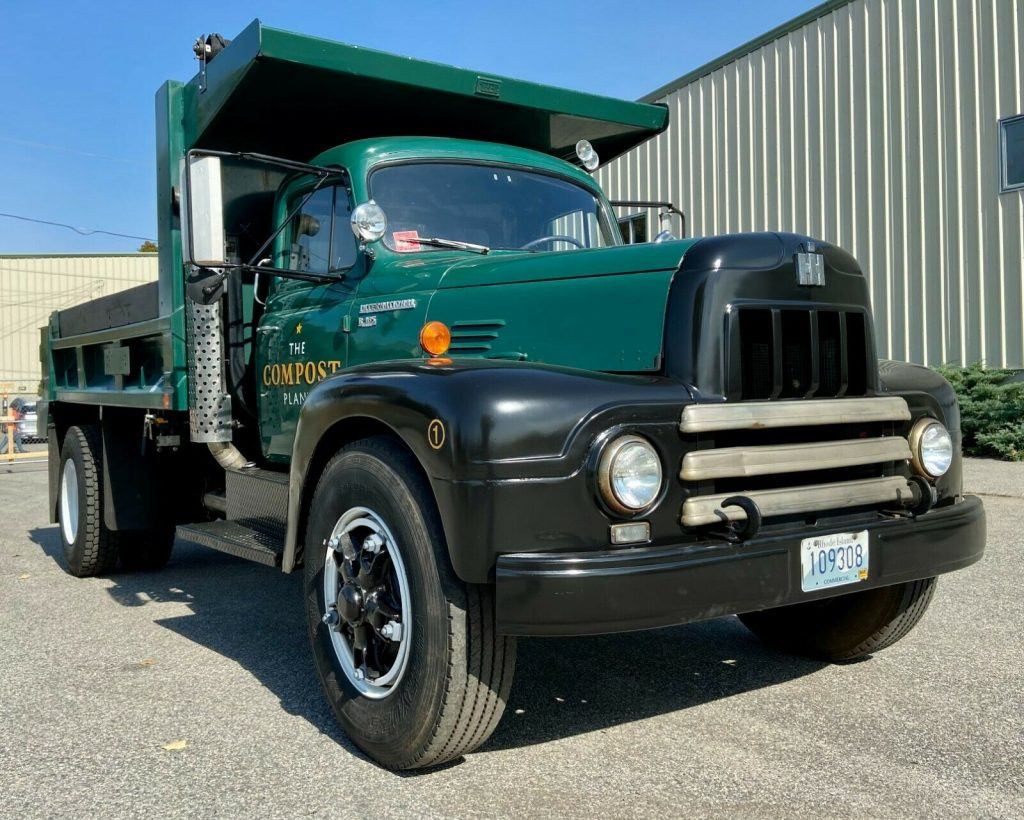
x,y
502,207
322,241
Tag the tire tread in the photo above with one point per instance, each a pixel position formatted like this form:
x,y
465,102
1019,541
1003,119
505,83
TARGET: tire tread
x,y
98,555
848,627
911,607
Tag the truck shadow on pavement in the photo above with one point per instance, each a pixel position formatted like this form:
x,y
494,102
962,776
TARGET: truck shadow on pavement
x,y
563,687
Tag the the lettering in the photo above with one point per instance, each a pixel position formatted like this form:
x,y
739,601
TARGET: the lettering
x,y
292,374
394,304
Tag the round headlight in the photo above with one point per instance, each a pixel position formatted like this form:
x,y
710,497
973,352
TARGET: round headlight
x,y
931,448
629,475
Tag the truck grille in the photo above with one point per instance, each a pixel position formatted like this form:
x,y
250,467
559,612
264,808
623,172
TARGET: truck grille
x,y
795,353
795,457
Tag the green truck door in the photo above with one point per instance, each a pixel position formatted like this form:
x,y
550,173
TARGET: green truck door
x,y
301,336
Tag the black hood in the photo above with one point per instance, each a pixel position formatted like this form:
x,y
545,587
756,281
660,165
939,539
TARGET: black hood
x,y
740,326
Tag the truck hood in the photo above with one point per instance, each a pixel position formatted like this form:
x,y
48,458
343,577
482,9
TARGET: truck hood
x,y
512,268
601,309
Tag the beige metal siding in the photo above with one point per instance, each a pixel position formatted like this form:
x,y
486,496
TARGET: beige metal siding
x,y
874,127
32,287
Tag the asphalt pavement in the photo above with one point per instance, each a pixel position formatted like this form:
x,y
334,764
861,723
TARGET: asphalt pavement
x,y
190,692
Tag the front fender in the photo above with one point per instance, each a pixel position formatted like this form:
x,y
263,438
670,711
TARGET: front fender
x,y
928,394
514,433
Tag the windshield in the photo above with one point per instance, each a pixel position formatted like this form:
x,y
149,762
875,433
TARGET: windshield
x,y
493,206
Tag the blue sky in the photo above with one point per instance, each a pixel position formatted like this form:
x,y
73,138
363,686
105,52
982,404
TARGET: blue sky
x,y
76,101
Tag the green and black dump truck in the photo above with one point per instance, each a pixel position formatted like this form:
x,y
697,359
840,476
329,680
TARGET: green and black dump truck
x,y
398,343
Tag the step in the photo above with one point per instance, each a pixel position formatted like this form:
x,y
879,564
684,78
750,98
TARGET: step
x,y
257,499
261,546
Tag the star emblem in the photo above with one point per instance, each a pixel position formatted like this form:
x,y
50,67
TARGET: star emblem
x,y
298,329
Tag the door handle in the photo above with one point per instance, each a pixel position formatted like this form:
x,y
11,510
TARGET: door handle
x,y
267,329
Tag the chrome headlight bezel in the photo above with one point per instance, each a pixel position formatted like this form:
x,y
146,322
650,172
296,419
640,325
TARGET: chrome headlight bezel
x,y
610,496
919,440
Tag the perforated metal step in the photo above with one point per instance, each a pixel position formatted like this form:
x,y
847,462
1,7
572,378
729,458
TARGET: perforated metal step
x,y
235,539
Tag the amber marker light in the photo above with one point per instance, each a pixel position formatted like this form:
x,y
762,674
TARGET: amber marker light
x,y
435,338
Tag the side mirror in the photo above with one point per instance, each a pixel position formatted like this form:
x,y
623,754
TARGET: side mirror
x,y
202,212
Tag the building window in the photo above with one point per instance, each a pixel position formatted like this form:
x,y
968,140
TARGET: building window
x,y
633,228
1011,132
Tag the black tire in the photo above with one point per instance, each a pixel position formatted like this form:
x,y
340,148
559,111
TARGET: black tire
x,y
93,551
145,550
844,628
456,682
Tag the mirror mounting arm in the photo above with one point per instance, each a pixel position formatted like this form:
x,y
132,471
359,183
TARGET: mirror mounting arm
x,y
638,203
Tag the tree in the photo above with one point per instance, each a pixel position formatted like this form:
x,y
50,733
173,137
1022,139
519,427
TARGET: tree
x,y
148,247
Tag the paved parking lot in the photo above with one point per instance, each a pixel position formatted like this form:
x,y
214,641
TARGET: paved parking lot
x,y
98,675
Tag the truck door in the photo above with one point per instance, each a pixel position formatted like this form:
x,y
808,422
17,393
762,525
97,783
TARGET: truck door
x,y
300,336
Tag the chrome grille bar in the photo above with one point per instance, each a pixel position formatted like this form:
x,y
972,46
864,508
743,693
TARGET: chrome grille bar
x,y
760,415
701,510
733,462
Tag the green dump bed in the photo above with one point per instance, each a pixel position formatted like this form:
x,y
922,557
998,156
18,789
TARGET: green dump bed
x,y
293,96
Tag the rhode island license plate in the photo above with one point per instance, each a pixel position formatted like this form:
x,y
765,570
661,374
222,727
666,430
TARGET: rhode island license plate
x,y
833,560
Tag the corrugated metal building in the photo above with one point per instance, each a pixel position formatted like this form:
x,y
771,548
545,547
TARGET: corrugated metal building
x,y
890,127
33,286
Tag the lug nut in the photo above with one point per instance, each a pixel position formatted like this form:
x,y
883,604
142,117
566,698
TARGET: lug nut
x,y
392,630
373,543
331,618
360,674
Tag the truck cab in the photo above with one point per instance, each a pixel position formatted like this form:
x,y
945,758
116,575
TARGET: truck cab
x,y
404,350
468,232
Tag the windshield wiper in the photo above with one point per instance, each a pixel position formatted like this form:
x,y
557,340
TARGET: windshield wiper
x,y
450,243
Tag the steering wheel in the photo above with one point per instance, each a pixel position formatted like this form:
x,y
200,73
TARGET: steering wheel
x,y
553,238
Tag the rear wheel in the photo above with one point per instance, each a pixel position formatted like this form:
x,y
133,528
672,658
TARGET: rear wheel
x,y
844,628
407,654
89,547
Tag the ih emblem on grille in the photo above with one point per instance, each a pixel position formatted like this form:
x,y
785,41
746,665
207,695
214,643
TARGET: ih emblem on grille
x,y
810,268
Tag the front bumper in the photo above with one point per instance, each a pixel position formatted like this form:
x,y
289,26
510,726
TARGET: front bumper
x,y
641,588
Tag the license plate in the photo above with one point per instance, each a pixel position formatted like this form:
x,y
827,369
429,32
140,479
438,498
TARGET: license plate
x,y
833,560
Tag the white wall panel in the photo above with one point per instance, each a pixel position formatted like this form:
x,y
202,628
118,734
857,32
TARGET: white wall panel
x,y
32,287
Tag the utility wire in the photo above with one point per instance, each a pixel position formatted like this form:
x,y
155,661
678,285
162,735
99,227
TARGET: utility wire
x,y
81,231
66,150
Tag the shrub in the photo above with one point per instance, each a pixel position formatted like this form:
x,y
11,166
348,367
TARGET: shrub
x,y
991,410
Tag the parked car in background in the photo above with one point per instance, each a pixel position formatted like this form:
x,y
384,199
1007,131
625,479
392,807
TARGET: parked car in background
x,y
28,427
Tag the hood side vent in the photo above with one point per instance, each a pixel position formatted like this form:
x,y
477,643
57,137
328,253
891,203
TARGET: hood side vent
x,y
474,338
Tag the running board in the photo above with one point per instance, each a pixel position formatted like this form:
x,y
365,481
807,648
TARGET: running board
x,y
236,539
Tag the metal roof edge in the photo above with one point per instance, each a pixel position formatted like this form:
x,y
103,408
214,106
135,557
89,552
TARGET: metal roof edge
x,y
74,255
800,21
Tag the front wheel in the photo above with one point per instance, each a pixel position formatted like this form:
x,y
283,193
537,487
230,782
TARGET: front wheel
x,y
407,654
847,627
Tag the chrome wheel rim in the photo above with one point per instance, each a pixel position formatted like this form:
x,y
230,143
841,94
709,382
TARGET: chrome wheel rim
x,y
367,604
69,501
